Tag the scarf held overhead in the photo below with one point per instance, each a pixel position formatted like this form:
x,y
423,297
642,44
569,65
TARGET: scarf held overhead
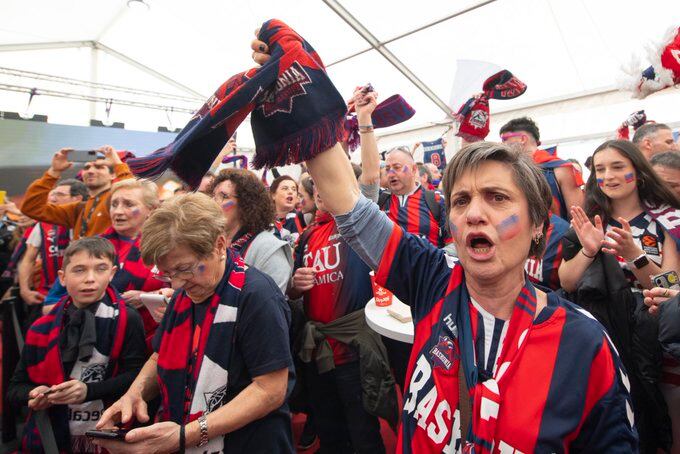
x,y
44,365
473,116
193,361
296,113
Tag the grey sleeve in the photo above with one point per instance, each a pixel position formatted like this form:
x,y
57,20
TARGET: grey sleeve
x,y
367,230
278,266
371,191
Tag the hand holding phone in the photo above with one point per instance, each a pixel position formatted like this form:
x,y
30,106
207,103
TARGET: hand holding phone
x,y
108,434
669,279
85,155
152,302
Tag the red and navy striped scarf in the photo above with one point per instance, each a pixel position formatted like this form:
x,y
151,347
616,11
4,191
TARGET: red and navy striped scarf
x,y
55,240
44,366
295,112
133,274
669,218
450,345
193,361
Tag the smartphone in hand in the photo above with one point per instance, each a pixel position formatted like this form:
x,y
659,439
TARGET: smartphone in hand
x,y
108,434
85,155
669,279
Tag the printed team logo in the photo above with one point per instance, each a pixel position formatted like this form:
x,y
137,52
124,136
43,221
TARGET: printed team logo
x,y
93,373
479,119
436,160
289,85
214,399
444,353
649,244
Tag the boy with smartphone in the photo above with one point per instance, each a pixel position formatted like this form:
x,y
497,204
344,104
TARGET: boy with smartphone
x,y
84,353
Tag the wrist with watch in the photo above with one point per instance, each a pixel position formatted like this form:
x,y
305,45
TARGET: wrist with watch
x,y
639,262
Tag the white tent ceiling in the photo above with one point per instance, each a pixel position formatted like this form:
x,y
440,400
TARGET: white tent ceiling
x,y
561,48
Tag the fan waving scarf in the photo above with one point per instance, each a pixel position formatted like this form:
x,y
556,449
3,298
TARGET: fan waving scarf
x,y
296,113
636,119
390,112
473,116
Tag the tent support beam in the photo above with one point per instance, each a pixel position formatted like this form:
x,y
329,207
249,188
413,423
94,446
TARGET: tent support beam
x,y
416,30
99,46
386,53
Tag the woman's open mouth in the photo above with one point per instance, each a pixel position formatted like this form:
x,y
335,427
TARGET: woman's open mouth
x,y
479,246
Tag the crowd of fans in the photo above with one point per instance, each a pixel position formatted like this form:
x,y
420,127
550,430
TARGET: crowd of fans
x,y
264,290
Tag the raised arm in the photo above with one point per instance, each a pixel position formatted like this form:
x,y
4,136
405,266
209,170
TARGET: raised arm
x,y
365,104
35,203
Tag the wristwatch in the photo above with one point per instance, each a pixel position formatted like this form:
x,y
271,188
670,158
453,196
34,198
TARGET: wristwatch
x,y
203,425
640,262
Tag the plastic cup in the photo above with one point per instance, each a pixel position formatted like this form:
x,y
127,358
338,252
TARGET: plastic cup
x,y
383,297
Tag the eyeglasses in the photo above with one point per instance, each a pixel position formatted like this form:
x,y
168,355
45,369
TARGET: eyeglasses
x,y
185,275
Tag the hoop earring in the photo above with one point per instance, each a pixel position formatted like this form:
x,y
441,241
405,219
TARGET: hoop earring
x,y
537,239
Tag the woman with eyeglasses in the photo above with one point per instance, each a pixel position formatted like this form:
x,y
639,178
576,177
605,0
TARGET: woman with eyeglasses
x,y
221,361
249,215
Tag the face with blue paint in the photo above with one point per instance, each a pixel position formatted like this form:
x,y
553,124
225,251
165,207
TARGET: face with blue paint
x,y
490,223
225,195
198,276
615,174
128,211
401,172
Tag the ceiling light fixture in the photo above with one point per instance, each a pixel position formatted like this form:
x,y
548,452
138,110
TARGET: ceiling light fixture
x,y
138,5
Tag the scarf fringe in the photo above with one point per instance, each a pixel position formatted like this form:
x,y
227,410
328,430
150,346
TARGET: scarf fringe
x,y
151,166
302,145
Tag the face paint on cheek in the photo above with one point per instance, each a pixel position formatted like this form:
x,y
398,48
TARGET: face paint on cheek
x,y
201,268
508,227
600,182
135,212
629,177
226,206
405,169
453,229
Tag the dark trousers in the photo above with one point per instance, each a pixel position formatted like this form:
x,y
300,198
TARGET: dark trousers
x,y
340,420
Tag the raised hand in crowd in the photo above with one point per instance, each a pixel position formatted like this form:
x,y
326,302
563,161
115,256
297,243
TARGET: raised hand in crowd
x,y
589,235
37,400
656,296
9,207
110,155
67,393
60,162
620,242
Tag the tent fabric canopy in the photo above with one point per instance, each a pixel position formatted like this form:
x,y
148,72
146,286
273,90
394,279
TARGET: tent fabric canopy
x,y
564,50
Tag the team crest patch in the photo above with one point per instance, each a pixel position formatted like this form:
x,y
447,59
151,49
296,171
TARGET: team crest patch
x,y
288,86
479,119
215,399
93,373
649,244
444,353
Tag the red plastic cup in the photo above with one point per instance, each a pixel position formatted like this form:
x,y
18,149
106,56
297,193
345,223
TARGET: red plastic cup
x,y
383,297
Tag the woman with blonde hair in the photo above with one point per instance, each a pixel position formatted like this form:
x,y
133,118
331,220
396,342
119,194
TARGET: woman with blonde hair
x,y
221,360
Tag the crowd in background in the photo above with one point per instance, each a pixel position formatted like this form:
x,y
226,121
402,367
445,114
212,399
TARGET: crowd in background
x,y
263,287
